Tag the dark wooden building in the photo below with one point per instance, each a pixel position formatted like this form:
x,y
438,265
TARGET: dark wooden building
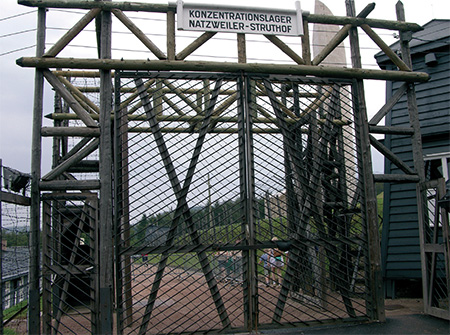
x,y
430,47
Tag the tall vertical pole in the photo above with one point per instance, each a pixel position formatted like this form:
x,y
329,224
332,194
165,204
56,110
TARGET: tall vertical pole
x,y
105,282
34,324
250,286
416,140
377,310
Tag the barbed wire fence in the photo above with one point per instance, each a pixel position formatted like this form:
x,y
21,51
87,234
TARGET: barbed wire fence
x,y
15,252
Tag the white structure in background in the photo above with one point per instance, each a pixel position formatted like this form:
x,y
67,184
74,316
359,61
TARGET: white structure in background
x,y
322,34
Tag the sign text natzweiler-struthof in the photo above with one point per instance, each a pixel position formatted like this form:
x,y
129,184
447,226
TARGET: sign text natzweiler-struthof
x,y
246,20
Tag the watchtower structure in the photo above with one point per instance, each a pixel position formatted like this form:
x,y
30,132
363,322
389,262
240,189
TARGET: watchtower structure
x,y
156,210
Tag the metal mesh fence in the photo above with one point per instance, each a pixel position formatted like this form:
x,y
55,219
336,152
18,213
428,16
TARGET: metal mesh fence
x,y
69,238
15,252
238,203
436,240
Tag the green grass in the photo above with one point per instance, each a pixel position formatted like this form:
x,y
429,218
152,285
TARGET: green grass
x,y
8,313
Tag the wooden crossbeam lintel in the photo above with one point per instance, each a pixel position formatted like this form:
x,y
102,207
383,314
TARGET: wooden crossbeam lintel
x,y
164,8
72,33
163,65
139,34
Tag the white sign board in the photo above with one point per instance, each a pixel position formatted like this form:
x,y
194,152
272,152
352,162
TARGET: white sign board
x,y
247,20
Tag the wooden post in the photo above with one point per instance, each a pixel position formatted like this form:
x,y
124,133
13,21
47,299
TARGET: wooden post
x,y
34,323
306,49
242,52
376,310
105,271
419,167
171,35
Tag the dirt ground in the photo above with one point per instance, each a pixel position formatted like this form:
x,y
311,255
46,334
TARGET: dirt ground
x,y
393,307
167,318
403,306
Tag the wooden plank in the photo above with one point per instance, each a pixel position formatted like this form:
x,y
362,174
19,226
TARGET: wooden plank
x,y
70,131
427,247
72,33
438,312
391,130
395,178
61,185
167,65
16,199
139,34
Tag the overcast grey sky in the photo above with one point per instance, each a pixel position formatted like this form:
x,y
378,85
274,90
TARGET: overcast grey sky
x,y
18,38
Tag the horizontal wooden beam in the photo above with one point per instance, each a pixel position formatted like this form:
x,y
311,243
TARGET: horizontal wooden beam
x,y
356,21
59,185
202,66
390,130
70,131
163,8
16,199
64,131
105,5
395,178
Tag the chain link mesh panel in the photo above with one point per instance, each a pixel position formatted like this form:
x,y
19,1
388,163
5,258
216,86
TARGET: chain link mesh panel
x,y
69,263
238,203
437,241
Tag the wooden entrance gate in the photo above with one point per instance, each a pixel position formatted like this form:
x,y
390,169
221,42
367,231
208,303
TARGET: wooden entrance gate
x,y
213,171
